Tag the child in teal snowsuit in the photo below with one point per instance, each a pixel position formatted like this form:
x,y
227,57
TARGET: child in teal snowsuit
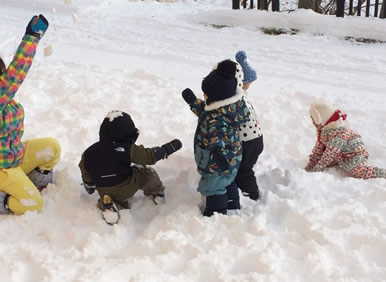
x,y
217,145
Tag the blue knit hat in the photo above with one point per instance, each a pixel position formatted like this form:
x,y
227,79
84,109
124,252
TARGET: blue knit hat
x,y
249,72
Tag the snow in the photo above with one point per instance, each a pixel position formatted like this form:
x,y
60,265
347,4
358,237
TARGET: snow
x,y
113,115
137,57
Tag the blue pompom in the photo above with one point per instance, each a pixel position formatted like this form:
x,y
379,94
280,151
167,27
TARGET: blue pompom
x,y
249,72
240,56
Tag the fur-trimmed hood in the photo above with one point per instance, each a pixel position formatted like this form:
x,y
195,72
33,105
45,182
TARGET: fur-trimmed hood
x,y
222,103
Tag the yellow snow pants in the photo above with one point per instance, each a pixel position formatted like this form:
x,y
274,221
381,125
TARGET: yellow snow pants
x,y
43,153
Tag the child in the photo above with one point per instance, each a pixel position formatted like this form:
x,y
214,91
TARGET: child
x,y
107,166
250,135
338,145
26,166
217,145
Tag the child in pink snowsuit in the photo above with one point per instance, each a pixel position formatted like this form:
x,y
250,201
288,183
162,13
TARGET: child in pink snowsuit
x,y
338,145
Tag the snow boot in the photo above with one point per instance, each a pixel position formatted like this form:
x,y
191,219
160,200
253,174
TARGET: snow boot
x,y
41,178
4,203
252,195
158,198
110,212
216,203
233,197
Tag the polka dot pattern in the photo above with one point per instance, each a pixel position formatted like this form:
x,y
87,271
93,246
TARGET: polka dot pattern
x,y
251,129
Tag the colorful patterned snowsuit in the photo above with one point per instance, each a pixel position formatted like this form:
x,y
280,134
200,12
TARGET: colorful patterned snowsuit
x,y
218,129
342,147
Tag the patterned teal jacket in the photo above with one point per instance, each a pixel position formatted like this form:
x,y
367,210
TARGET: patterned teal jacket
x,y
11,112
218,129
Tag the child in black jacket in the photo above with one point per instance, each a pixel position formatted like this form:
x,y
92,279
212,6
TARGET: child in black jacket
x,y
107,166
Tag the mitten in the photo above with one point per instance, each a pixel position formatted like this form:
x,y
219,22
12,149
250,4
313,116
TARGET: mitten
x,y
167,149
172,147
220,159
90,188
37,26
189,96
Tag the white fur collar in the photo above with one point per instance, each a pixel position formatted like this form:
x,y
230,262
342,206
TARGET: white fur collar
x,y
222,103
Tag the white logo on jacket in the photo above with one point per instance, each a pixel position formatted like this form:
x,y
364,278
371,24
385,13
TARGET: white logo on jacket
x,y
120,149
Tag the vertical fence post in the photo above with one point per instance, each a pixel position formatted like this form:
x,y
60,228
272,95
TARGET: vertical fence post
x,y
367,8
236,4
317,6
262,4
376,8
351,5
382,15
275,5
340,8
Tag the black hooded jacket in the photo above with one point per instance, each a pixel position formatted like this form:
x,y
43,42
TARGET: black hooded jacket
x,y
108,161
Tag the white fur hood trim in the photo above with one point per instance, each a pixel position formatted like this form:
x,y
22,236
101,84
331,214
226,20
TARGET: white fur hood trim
x,y
222,103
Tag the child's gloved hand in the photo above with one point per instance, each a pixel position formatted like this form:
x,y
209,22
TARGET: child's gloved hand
x,y
171,147
220,159
90,188
167,149
189,96
37,26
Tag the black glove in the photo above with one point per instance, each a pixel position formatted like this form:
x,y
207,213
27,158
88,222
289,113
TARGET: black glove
x,y
167,149
172,147
37,26
220,159
189,96
90,188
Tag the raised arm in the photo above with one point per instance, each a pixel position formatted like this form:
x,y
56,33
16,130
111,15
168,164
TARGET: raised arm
x,y
14,76
196,105
148,156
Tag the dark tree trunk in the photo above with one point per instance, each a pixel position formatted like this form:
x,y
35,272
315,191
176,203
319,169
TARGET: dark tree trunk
x,y
350,8
307,4
383,10
367,8
340,8
276,5
376,8
251,4
236,4
359,7
245,4
262,4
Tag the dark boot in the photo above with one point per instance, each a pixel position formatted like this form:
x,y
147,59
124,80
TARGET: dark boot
x,y
233,197
216,203
252,195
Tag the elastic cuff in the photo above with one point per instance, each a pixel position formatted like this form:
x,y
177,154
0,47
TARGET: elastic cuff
x,y
159,152
31,38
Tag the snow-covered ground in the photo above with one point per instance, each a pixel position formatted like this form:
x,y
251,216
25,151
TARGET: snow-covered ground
x,y
138,57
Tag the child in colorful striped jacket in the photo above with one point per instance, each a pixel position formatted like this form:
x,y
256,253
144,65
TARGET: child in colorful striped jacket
x,y
217,145
338,145
36,157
